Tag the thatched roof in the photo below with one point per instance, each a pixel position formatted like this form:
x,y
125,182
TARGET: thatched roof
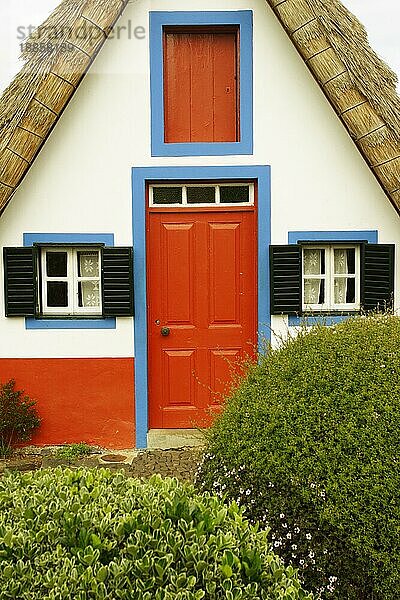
x,y
358,84
333,43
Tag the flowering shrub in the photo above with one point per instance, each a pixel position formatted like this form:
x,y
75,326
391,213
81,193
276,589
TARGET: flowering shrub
x,y
309,445
18,417
86,534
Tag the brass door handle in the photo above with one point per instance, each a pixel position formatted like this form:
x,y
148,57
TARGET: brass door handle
x,y
165,331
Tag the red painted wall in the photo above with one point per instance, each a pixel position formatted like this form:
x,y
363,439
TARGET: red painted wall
x,y
79,400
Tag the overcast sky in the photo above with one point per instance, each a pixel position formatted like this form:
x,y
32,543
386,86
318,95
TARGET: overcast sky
x,y
382,20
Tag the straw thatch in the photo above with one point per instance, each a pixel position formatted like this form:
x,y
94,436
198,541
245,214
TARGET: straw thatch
x,y
61,51
358,84
332,42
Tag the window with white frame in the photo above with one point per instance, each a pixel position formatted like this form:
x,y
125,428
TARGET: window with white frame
x,y
192,194
70,281
331,278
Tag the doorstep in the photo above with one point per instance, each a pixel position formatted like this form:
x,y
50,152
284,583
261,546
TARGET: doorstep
x,y
165,439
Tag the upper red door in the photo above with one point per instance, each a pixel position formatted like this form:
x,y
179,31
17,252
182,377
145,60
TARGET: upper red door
x,y
202,297
200,85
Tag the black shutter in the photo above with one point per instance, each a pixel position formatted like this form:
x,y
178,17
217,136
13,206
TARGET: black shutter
x,y
117,282
285,263
377,276
20,281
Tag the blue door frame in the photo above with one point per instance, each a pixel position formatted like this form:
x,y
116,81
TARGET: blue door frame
x,y
140,177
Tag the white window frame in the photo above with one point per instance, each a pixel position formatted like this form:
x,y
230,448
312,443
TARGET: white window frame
x,y
217,186
72,279
329,278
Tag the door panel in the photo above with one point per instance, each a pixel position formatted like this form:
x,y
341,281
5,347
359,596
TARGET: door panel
x,y
177,266
200,86
202,288
224,281
223,365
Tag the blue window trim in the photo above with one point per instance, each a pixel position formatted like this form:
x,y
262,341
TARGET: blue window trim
x,y
294,237
140,175
159,19
29,239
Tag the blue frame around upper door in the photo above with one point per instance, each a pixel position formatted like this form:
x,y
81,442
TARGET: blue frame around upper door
x,y
140,177
244,20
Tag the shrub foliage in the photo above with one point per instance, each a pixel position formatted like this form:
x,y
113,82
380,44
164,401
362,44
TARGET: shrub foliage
x,y
95,534
18,417
309,443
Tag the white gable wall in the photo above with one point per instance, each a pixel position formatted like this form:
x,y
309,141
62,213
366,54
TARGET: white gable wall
x,y
81,181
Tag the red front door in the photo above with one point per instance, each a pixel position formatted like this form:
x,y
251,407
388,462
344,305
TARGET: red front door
x,y
201,309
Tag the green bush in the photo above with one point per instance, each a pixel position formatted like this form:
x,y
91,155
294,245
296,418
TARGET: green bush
x,y
71,452
18,417
309,444
93,534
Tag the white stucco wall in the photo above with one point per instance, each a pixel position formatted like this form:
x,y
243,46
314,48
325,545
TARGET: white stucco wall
x,y
81,181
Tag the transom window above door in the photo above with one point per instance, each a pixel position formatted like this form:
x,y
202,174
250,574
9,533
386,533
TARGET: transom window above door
x,y
226,194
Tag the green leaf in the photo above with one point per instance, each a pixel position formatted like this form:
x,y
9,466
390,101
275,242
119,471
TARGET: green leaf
x,y
95,541
226,570
102,574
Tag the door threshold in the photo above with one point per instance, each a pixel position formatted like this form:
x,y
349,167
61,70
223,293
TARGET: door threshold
x,y
165,439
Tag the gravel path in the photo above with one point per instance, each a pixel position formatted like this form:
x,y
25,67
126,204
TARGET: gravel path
x,y
180,463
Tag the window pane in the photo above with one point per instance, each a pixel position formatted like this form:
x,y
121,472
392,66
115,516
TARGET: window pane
x,y
57,293
314,291
344,260
313,261
88,264
167,195
237,193
56,264
344,290
200,195
88,294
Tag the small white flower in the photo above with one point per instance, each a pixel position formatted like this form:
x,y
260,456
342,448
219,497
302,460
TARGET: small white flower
x,y
281,516
308,536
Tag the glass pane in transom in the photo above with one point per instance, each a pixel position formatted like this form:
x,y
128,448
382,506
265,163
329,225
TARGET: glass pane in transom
x,y
234,193
56,264
167,195
88,263
200,195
